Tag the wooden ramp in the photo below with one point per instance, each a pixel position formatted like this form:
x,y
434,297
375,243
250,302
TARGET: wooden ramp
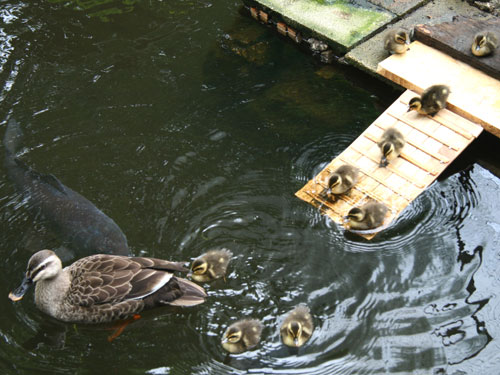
x,y
431,145
474,94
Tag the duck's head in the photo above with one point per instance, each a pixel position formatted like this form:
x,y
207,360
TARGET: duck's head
x,y
479,41
231,341
415,104
334,181
355,214
199,270
401,37
387,150
294,330
43,265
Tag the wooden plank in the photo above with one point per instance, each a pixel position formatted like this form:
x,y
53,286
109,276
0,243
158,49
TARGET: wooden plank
x,y
426,155
455,39
474,94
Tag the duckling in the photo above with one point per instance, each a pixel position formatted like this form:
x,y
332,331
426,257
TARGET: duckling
x,y
484,43
297,327
431,101
242,336
391,143
369,216
396,41
211,265
342,179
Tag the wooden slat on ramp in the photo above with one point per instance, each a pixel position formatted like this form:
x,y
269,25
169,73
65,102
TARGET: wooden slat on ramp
x,y
474,94
431,145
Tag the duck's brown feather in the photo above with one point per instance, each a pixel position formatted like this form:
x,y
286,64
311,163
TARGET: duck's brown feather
x,y
103,288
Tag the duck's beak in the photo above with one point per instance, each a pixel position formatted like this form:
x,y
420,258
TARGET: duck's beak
x,y
224,340
383,162
296,341
19,292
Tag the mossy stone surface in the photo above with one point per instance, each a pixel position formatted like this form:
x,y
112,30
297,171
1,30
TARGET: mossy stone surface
x,y
343,22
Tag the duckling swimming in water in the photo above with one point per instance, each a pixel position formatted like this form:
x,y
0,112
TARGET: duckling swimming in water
x,y
297,327
484,43
431,101
391,143
396,41
342,179
211,265
242,335
369,216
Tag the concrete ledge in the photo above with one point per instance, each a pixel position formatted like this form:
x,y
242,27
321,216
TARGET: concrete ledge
x,y
368,54
341,24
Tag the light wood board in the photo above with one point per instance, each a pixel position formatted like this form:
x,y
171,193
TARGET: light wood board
x,y
474,94
432,143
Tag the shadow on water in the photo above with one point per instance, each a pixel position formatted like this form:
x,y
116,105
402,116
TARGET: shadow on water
x,y
193,126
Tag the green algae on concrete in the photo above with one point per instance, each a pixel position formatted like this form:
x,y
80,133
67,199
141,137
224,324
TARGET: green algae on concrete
x,y
337,20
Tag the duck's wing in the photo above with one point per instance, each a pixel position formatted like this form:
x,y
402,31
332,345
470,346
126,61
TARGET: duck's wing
x,y
101,279
161,264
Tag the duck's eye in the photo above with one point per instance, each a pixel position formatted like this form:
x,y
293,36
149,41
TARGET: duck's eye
x,y
233,338
42,267
198,269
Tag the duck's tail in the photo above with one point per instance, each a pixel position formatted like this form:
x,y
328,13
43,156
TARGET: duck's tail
x,y
193,294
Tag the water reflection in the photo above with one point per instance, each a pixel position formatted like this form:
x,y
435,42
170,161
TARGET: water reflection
x,y
193,126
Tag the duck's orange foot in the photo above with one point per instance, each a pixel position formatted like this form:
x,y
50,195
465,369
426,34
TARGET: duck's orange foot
x,y
120,326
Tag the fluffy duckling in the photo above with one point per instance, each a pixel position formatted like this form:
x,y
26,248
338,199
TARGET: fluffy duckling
x,y
242,335
342,179
211,265
484,43
396,41
431,101
391,143
369,216
297,327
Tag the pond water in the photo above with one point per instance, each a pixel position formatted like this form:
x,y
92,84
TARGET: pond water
x,y
192,126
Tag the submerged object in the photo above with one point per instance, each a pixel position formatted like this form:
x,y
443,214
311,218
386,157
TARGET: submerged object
x,y
211,266
242,335
391,143
297,327
102,288
72,217
432,100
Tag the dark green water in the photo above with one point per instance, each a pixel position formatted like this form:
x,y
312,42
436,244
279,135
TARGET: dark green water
x,y
192,126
